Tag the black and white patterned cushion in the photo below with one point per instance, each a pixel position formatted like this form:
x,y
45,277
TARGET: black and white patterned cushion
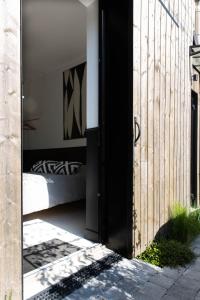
x,y
44,166
66,167
56,167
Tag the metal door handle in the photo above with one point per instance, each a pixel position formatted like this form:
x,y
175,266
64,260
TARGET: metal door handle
x,y
137,128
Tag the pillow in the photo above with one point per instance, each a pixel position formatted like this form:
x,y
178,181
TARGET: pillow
x,y
56,167
66,167
44,166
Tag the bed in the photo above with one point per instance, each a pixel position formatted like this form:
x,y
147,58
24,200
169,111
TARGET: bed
x,y
43,191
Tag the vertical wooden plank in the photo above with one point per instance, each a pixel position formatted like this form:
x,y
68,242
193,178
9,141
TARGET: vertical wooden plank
x,y
136,109
185,86
10,151
162,114
182,106
144,141
167,112
151,80
156,125
172,112
191,22
178,105
187,102
176,67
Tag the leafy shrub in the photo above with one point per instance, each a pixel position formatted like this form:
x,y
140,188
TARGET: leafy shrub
x,y
184,225
173,250
167,253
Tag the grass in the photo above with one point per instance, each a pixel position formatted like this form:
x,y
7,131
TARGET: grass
x,y
184,226
8,297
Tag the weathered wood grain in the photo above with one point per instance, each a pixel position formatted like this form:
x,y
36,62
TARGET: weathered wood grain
x,y
162,104
137,109
150,103
10,151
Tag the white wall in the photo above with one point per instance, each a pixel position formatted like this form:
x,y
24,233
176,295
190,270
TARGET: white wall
x,y
44,96
46,103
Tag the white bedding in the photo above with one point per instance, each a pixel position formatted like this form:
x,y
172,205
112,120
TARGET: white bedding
x,y
42,191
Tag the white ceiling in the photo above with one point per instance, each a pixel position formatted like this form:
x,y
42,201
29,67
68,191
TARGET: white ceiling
x,y
54,34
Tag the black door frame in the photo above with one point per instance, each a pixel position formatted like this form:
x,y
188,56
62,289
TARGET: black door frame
x,y
194,146
116,125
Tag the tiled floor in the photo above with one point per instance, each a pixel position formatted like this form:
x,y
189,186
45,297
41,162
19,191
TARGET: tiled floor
x,y
65,223
70,217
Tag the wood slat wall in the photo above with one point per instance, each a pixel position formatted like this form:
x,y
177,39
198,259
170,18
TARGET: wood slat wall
x,y
162,106
10,151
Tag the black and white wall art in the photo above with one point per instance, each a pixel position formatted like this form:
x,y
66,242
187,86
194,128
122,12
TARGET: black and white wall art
x,y
74,102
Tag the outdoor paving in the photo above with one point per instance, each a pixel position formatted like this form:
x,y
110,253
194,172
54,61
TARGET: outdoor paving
x,y
134,279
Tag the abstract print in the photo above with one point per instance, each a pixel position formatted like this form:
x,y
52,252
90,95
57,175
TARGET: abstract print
x,y
74,102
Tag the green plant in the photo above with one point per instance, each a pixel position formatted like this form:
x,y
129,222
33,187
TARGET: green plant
x,y
184,224
167,253
8,297
193,224
178,223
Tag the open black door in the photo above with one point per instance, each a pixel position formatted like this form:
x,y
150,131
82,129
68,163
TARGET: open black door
x,y
194,129
116,124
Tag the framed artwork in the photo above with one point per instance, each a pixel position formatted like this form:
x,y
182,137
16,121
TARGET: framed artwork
x,y
74,102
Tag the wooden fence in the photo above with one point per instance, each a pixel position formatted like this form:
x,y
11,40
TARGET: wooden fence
x,y
163,32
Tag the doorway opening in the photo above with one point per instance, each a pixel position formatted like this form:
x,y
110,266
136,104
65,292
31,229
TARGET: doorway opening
x,y
194,147
102,210
60,117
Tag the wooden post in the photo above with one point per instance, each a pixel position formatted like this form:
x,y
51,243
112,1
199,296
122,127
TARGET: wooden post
x,y
10,151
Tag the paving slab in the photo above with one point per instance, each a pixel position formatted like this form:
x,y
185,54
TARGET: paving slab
x,y
180,293
192,274
152,290
169,297
172,273
197,297
162,281
137,280
188,283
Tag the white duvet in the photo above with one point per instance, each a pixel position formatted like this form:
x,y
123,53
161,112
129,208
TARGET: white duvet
x,y
42,191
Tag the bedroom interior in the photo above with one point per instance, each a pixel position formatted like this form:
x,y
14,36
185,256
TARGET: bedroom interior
x,y
58,66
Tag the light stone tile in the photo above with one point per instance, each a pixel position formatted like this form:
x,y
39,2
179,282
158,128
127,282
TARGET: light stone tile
x,y
152,290
197,296
134,279
196,250
115,293
172,273
195,265
162,281
179,293
192,274
188,284
167,297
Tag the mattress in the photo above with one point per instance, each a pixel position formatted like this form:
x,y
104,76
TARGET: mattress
x,y
42,191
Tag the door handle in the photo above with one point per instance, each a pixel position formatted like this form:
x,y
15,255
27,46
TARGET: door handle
x,y
137,131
